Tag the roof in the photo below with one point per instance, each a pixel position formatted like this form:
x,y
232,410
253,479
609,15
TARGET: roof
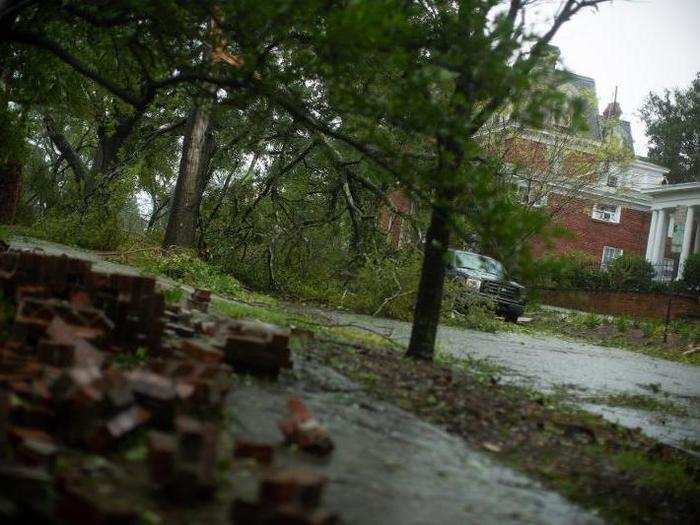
x,y
626,135
586,84
645,162
673,188
673,195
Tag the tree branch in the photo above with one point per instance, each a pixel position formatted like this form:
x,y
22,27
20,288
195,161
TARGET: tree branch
x,y
570,8
99,21
66,150
35,40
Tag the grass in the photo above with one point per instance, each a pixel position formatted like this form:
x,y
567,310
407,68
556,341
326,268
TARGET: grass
x,y
656,474
641,402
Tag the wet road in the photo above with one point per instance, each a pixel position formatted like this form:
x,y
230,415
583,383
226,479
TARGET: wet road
x,y
574,369
403,470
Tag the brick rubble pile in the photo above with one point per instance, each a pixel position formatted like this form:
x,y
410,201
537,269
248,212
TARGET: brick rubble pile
x,y
91,363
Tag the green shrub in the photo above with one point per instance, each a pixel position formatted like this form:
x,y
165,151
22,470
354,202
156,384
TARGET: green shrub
x,y
687,330
630,273
96,229
579,271
691,272
467,310
623,323
184,266
573,270
592,320
651,329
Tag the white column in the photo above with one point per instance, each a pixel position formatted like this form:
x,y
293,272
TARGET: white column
x,y
687,238
696,248
660,237
650,238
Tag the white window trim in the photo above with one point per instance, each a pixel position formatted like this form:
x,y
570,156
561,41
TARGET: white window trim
x,y
620,252
597,214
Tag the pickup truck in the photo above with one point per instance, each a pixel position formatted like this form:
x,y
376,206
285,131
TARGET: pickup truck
x,y
486,277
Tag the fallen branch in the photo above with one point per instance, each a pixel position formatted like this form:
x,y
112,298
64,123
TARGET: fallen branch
x,y
388,300
129,252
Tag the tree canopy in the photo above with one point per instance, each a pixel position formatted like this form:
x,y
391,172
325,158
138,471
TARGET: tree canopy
x,y
672,119
292,121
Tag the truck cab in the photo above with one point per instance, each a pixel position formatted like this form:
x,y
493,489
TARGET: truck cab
x,y
486,277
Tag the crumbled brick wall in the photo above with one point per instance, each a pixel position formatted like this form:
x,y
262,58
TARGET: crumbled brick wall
x,y
589,235
635,304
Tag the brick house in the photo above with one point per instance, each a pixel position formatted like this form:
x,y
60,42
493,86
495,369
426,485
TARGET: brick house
x,y
628,210
617,211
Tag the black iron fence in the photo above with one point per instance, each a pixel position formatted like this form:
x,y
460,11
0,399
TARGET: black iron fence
x,y
665,272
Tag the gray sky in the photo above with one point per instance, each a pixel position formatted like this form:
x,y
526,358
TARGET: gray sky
x,y
638,45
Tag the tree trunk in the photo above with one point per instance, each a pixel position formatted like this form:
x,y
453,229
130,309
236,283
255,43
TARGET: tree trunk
x,y
184,207
426,315
10,189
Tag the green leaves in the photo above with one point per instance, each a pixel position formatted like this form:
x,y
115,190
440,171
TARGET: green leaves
x,y
673,128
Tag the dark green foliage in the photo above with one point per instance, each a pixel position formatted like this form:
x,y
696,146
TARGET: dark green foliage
x,y
691,272
630,273
95,230
567,272
12,132
578,271
338,106
673,123
7,313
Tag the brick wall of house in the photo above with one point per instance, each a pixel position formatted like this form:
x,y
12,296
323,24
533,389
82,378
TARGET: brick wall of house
x,y
585,234
590,235
644,305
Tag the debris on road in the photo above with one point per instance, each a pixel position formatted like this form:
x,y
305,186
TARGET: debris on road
x,y
286,496
303,430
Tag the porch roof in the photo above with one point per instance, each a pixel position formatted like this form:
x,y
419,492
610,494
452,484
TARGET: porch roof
x,y
672,195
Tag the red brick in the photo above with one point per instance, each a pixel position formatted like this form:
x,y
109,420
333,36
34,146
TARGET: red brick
x,y
260,452
589,235
635,304
292,486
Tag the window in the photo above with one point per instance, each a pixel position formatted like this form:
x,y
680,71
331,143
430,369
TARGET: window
x,y
610,254
607,212
473,261
612,181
